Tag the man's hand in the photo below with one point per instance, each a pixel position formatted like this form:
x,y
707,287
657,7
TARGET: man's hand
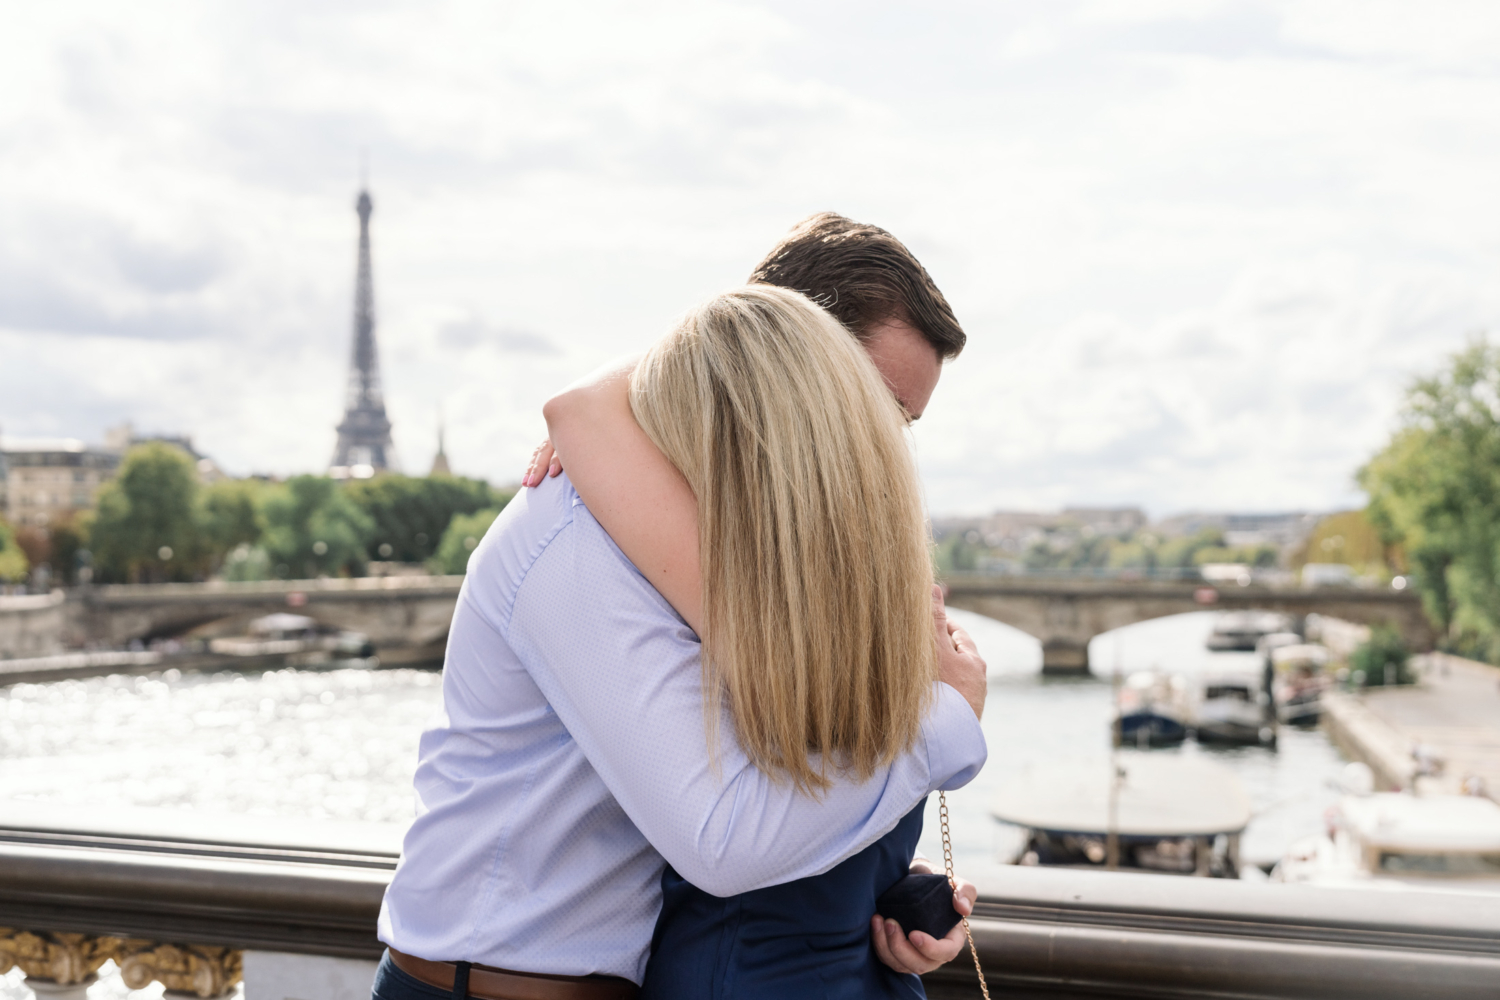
x,y
959,664
544,462
920,952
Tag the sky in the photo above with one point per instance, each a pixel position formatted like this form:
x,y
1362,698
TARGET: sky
x,y
1199,248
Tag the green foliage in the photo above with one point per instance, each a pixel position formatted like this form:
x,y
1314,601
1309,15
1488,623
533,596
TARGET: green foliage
x,y
144,528
313,528
1250,555
1349,537
1385,648
306,527
13,562
1082,551
1132,554
229,515
1143,551
955,555
410,514
246,562
1435,490
1068,552
1181,553
67,539
459,541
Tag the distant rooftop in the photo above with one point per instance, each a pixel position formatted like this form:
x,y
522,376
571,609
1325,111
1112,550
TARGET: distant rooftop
x,y
15,444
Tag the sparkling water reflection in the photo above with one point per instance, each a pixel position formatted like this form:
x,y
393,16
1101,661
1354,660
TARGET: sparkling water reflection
x,y
337,744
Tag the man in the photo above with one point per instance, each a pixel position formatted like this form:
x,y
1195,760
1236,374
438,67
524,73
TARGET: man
x,y
571,762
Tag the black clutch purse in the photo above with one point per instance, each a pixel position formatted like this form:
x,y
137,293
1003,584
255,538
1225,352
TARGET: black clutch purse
x,y
920,903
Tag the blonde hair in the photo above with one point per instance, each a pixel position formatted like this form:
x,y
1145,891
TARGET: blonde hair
x,y
816,573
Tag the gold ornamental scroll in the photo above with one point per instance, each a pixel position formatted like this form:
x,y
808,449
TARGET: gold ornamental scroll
x,y
198,970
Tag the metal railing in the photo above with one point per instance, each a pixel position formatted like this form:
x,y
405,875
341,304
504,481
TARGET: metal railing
x,y
1061,933
1049,933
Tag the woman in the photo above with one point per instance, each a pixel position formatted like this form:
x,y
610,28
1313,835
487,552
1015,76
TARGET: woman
x,y
765,488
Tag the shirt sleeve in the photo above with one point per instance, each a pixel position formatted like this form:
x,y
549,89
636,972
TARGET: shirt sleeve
x,y
623,674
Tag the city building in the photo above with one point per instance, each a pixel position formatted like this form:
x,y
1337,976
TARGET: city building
x,y
46,481
1114,521
1279,530
50,480
1016,531
123,437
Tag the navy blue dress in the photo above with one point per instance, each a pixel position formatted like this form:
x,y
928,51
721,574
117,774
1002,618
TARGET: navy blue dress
x,y
804,940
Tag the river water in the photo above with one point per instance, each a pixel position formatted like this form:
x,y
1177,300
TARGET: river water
x,y
341,744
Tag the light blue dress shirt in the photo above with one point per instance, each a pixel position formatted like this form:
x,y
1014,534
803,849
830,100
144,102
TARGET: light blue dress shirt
x,y
570,757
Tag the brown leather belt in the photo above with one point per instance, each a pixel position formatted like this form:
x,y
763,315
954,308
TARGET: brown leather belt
x,y
486,983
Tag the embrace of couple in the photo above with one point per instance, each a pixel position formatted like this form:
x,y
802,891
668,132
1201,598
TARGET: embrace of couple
x,y
698,688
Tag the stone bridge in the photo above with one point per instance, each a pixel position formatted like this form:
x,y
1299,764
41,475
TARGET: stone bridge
x,y
394,611
410,612
1065,613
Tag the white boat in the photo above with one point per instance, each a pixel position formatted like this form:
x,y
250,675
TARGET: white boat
x,y
1241,630
297,639
1232,709
1177,815
1396,839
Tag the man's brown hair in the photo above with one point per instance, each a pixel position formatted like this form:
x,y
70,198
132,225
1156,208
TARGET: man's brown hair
x,y
862,275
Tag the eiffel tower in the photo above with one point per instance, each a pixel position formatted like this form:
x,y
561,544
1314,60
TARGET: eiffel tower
x,y
364,446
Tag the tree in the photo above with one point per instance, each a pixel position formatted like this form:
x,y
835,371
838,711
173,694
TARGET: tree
x,y
411,514
1351,538
460,540
1382,659
1182,553
1435,490
229,516
246,562
313,528
68,539
13,562
145,527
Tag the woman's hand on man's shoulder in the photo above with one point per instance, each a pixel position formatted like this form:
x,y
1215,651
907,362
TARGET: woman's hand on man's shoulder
x,y
545,463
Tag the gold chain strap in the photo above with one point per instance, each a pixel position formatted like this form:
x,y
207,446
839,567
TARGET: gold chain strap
x,y
953,882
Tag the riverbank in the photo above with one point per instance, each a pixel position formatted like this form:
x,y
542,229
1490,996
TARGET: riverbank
x,y
1439,734
81,665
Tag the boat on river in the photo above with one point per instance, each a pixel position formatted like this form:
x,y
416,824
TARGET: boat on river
x,y
1173,815
1232,709
1241,630
1151,710
1400,839
295,641
1299,679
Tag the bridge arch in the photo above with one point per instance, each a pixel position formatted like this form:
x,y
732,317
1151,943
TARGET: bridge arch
x,y
392,611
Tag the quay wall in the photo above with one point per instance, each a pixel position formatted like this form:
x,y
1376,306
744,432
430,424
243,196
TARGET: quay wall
x,y
32,624
1364,736
1441,734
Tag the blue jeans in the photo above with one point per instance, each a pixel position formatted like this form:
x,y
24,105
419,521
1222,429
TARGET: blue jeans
x,y
393,984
